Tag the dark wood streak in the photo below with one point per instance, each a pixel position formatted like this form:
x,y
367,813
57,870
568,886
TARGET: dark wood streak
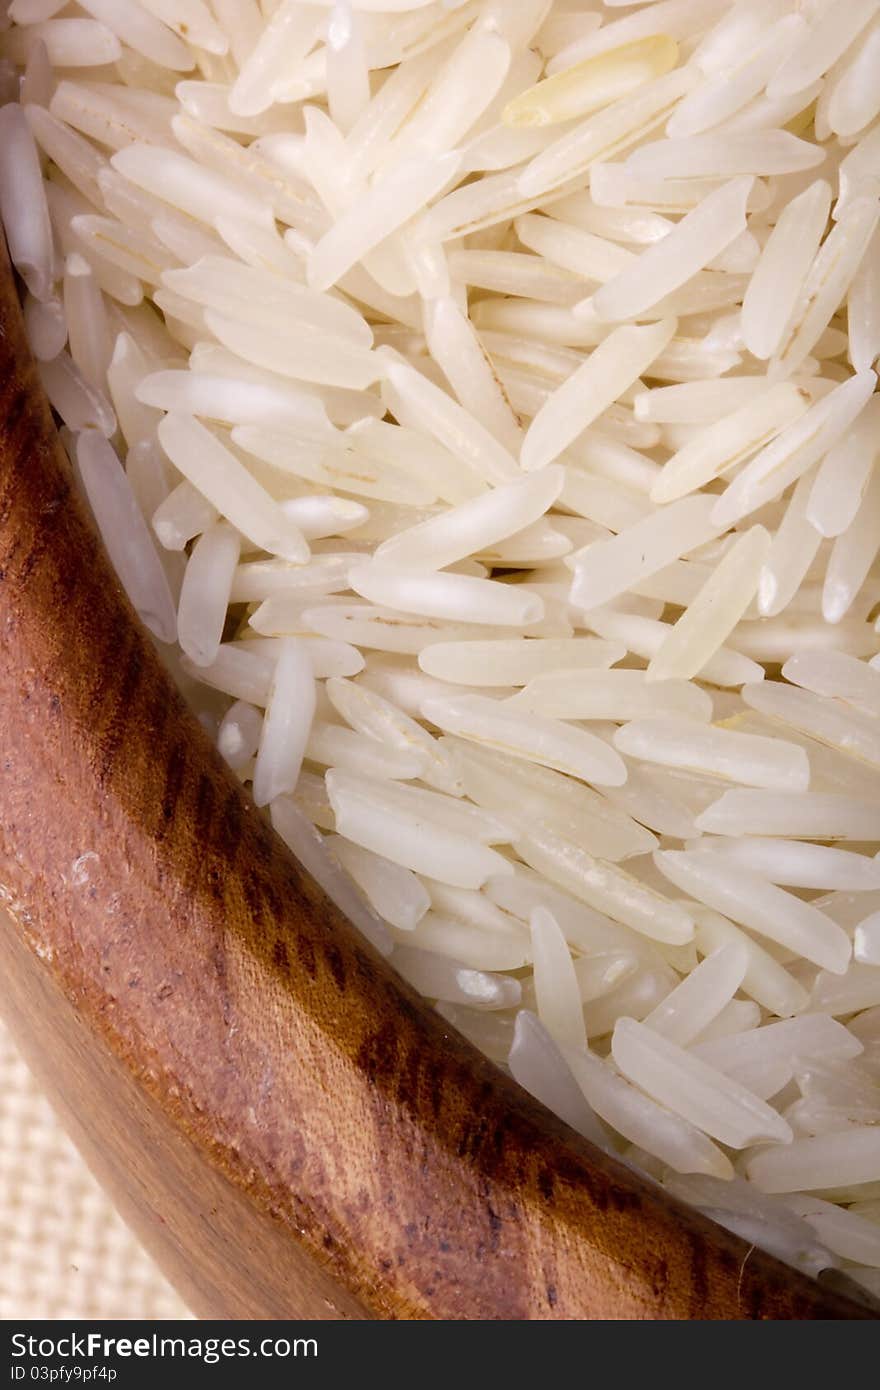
x,y
290,1129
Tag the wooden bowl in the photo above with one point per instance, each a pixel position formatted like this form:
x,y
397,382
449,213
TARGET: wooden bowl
x,y
290,1130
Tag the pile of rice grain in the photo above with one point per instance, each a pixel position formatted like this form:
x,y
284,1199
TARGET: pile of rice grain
x,y
478,403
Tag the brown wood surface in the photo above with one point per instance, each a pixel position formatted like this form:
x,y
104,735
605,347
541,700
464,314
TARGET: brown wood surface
x,y
290,1130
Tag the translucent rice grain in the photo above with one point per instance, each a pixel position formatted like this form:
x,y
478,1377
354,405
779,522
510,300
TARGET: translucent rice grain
x,y
141,31
853,555
845,994
283,589
38,80
602,502
606,888
794,450
798,865
237,402
228,486
387,629
513,273
246,674
608,568
588,256
824,42
30,11
715,612
714,1103
830,277
854,100
785,261
843,474
522,791
183,514
307,845
88,328
866,940
472,945
727,91
810,816
461,90
764,980
328,658
283,42
125,534
696,240
73,43
556,986
348,461
615,695
863,308
45,327
426,845
605,134
596,82
771,639
697,402
192,21
669,1136
446,421
285,730
241,674
134,252
204,595
377,718
465,909
451,981
448,812
80,406
396,894
699,999
643,637
492,1033
540,1068
453,597
332,360
704,156
758,905
77,159
608,372
386,207
586,930
103,113
765,1059
474,526
747,758
729,440
348,78
552,743
187,185
792,552
822,718
838,675
23,206
845,1233
238,736
826,1161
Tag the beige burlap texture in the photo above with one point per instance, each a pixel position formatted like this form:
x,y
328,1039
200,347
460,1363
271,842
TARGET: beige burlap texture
x,y
64,1252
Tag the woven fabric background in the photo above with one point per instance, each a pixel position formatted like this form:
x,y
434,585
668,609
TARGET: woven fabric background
x,y
64,1252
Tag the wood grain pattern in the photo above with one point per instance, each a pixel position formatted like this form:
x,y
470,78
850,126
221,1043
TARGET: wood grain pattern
x,y
287,1126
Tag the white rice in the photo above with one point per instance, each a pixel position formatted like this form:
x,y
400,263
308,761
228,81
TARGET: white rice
x,y
499,380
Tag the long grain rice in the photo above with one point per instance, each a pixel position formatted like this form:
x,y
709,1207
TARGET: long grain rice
x,y
498,380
